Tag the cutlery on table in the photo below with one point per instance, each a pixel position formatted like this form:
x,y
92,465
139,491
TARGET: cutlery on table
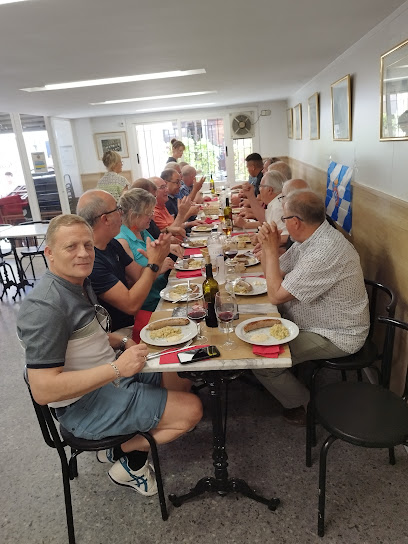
x,y
158,353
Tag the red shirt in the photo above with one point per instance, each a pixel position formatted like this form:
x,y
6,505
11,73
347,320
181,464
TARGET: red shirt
x,y
162,217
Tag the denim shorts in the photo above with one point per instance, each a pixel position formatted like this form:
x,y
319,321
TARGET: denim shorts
x,y
137,405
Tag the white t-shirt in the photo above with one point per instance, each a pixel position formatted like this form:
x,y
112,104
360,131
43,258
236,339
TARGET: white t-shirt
x,y
274,212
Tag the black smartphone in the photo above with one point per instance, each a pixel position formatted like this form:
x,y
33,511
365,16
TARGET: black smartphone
x,y
198,354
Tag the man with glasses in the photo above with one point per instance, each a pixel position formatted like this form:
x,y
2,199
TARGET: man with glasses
x,y
173,180
119,282
162,217
72,366
319,285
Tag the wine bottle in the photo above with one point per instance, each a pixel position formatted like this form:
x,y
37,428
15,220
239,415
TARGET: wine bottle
x,y
210,288
212,185
227,227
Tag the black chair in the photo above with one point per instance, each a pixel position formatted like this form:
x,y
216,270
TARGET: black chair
x,y
31,251
362,414
366,357
59,440
5,268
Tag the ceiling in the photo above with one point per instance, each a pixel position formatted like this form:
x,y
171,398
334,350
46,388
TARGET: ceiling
x,y
252,51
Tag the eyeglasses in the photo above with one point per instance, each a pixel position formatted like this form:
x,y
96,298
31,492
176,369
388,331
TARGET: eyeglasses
x,y
117,209
178,182
162,187
150,214
291,217
103,317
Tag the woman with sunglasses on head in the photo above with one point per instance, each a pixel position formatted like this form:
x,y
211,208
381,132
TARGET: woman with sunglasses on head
x,y
112,181
137,210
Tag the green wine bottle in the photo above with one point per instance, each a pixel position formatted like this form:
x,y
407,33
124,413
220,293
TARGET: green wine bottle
x,y
210,288
212,185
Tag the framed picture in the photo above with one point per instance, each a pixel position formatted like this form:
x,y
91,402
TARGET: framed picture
x,y
394,93
289,121
298,121
341,109
314,116
111,141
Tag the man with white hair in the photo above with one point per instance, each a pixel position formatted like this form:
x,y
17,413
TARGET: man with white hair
x,y
189,186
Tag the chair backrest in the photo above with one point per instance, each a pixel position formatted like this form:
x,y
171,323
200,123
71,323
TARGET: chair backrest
x,y
375,289
386,364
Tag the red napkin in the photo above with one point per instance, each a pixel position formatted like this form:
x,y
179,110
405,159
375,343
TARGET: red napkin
x,y
171,358
210,221
191,251
141,320
214,199
271,352
187,274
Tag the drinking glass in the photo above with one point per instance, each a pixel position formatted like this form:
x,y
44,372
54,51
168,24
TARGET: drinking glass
x,y
196,311
226,308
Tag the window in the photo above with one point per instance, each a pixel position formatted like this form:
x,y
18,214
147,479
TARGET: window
x,y
242,148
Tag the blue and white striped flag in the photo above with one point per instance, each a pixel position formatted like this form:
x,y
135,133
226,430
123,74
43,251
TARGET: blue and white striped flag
x,y
338,194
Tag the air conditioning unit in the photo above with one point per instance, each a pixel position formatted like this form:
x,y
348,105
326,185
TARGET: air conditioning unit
x,y
242,125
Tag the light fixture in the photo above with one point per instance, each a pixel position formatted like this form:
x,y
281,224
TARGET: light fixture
x,y
11,1
145,98
114,80
176,107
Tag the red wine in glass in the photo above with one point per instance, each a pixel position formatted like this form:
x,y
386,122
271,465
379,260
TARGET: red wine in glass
x,y
225,317
231,253
197,314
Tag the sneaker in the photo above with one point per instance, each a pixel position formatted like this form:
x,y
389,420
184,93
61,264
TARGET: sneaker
x,y
295,416
105,456
143,480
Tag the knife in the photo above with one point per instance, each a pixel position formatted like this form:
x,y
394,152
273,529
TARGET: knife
x,y
164,351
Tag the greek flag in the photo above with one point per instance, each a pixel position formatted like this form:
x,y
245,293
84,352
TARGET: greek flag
x,y
338,194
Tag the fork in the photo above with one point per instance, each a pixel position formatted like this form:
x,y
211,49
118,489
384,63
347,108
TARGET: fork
x,y
158,353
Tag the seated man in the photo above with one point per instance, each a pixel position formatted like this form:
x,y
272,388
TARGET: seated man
x,y
173,180
162,217
254,164
119,282
318,284
72,367
189,186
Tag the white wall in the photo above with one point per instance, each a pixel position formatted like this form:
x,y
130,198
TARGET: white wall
x,y
269,138
380,165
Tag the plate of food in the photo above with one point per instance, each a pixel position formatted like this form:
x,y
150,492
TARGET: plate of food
x,y
243,238
189,263
267,331
174,292
202,228
248,287
246,260
192,243
169,332
236,210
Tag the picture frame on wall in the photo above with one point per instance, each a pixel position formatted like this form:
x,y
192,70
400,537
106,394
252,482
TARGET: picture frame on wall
x,y
298,121
314,116
289,122
341,109
394,93
111,141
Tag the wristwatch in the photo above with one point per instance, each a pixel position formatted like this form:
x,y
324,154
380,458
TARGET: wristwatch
x,y
122,345
154,267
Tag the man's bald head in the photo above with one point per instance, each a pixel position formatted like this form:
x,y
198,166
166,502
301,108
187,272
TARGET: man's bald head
x,y
294,185
306,205
281,167
94,203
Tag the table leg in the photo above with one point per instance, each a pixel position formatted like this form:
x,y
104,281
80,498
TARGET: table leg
x,y
220,483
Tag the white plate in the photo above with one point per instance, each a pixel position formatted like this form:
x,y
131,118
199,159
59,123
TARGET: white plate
x,y
246,336
203,244
252,260
187,333
258,287
202,228
240,236
165,293
178,265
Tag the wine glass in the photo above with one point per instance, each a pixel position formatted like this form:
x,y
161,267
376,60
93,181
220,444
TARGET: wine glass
x,y
226,308
196,311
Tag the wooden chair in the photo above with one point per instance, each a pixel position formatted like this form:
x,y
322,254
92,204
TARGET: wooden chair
x,y
59,440
362,414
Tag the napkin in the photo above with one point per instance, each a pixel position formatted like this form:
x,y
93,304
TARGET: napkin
x,y
188,274
210,221
271,352
171,358
191,251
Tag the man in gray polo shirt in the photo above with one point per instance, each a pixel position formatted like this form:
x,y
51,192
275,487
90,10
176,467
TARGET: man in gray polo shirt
x,y
319,285
72,366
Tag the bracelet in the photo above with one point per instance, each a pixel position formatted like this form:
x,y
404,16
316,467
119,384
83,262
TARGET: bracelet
x,y
116,381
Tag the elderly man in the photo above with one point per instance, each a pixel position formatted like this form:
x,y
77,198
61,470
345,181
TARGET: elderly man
x,y
72,366
173,204
162,217
270,194
119,282
318,284
189,186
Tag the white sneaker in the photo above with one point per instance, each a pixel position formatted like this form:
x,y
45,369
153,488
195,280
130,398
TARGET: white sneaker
x,y
105,456
143,480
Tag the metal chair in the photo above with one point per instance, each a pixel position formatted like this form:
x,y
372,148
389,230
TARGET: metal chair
x,y
364,358
5,268
59,440
362,414
33,251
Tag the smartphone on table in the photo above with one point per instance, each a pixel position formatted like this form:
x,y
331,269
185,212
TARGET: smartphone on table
x,y
197,354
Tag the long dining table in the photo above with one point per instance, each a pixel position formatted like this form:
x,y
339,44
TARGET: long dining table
x,y
216,373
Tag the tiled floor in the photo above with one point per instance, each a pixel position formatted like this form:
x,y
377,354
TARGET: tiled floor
x,y
366,497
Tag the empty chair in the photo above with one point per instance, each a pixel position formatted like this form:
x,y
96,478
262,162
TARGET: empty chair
x,y
362,414
35,250
7,277
59,440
